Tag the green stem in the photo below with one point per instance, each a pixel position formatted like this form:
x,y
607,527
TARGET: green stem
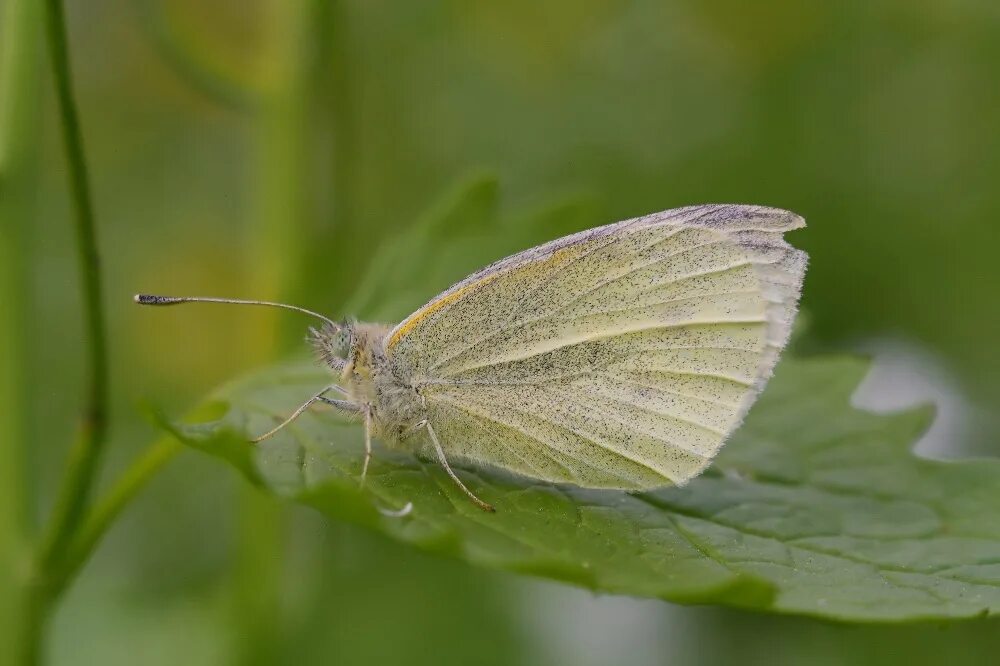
x,y
19,134
34,621
105,511
49,584
84,457
85,454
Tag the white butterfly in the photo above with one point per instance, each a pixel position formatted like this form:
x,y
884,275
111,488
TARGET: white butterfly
x,y
619,357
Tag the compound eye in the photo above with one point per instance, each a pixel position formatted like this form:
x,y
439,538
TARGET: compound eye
x,y
340,343
331,342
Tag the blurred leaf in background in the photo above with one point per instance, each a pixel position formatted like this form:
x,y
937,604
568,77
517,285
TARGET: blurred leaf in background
x,y
875,121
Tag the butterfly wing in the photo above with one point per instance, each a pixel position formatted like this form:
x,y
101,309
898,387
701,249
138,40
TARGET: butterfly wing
x,y
619,357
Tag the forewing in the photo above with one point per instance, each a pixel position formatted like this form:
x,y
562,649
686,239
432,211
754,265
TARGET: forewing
x,y
620,357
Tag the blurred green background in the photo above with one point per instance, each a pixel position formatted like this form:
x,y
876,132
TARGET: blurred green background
x,y
267,148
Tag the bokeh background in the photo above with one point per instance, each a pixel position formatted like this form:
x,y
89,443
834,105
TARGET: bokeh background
x,y
267,148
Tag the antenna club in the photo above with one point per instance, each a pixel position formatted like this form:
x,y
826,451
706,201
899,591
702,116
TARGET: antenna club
x,y
149,299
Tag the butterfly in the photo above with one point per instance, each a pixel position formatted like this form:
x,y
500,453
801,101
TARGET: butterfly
x,y
618,357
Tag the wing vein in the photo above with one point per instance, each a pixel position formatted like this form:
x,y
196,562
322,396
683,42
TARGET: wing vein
x,y
679,394
667,302
605,334
713,375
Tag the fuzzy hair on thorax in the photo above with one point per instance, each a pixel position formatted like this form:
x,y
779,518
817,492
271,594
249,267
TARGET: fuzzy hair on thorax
x,y
356,352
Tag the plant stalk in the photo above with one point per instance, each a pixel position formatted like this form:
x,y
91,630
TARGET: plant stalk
x,y
20,45
109,507
85,456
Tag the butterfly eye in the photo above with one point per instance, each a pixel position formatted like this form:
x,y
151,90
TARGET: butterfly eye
x,y
340,343
332,342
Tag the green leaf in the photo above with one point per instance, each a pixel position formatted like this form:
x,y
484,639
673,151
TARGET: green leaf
x,y
814,508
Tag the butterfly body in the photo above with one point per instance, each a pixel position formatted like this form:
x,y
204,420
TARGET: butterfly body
x,y
355,352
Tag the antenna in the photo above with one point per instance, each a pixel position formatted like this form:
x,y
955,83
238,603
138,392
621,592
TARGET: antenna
x,y
149,299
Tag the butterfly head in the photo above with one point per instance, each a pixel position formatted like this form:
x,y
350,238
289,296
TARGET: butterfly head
x,y
333,343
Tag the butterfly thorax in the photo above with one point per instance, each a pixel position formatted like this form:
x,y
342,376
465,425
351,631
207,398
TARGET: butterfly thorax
x,y
368,377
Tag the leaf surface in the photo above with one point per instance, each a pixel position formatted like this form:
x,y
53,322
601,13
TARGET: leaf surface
x,y
814,507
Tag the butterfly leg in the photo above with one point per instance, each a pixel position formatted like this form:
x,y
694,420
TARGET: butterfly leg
x,y
319,397
368,442
342,405
444,463
390,513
